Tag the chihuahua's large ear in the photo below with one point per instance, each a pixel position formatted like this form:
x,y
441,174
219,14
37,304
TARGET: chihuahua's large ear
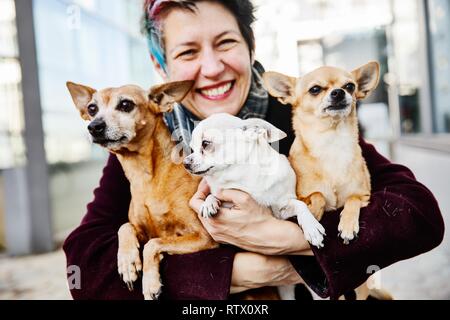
x,y
260,128
166,95
367,78
280,86
81,95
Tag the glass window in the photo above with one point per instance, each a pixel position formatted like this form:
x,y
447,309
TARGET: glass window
x,y
95,43
439,19
404,60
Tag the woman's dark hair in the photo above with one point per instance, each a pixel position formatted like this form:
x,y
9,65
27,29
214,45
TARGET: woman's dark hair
x,y
242,10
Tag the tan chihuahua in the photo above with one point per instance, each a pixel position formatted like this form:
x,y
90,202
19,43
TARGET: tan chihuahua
x,y
128,121
326,156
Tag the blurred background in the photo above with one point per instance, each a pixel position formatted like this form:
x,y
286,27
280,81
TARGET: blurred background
x,y
49,168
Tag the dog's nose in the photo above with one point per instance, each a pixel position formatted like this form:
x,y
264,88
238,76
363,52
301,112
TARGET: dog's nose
x,y
338,95
97,128
187,162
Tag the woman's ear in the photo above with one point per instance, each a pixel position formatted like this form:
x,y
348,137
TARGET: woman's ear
x,y
252,57
159,68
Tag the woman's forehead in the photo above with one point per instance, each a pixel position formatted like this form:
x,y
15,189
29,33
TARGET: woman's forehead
x,y
210,19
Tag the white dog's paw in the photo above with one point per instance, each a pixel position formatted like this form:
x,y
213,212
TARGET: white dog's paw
x,y
129,266
312,229
151,286
210,207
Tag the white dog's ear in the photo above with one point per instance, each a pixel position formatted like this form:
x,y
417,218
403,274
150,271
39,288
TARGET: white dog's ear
x,y
280,86
81,96
166,95
257,128
367,78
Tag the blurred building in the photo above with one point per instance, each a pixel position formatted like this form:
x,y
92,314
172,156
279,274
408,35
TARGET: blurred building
x,y
407,118
93,42
47,163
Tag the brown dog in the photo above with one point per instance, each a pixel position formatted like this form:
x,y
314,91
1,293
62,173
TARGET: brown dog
x,y
326,155
128,121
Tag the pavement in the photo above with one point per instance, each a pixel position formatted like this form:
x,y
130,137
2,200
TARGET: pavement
x,y
43,277
40,277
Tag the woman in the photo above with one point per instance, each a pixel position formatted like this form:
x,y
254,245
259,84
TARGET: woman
x,y
212,43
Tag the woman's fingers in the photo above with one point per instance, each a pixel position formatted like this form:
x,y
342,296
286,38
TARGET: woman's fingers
x,y
200,196
236,197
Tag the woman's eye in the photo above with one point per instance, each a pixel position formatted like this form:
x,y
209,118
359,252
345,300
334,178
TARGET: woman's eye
x,y
92,110
350,87
126,106
315,90
227,43
186,54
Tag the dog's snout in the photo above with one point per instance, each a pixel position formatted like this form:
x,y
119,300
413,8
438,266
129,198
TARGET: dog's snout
x,y
338,95
187,162
97,128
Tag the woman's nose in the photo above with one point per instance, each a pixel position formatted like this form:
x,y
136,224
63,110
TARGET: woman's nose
x,y
212,65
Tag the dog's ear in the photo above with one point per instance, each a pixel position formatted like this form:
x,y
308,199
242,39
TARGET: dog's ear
x,y
367,78
257,128
81,95
166,95
280,86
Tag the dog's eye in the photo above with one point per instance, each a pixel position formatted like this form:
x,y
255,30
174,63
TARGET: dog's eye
x,y
206,144
350,87
126,106
92,110
315,90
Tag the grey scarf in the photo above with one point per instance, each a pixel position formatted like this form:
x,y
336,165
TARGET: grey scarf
x,y
181,122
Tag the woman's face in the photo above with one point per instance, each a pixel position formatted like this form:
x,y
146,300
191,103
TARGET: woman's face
x,y
208,47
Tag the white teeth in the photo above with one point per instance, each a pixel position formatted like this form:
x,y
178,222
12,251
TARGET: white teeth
x,y
218,91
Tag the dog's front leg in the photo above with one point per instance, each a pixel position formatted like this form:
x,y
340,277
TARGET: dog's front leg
x,y
128,259
349,223
153,250
317,205
312,229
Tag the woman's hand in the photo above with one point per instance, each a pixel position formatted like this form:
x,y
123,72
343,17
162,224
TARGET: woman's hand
x,y
250,226
252,271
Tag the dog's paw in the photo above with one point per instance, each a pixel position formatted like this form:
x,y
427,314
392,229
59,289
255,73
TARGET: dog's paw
x,y
210,207
151,286
348,229
313,231
129,266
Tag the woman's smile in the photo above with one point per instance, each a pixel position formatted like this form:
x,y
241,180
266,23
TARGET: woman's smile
x,y
218,92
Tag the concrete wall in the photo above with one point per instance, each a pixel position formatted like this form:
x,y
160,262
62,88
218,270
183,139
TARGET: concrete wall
x,y
2,215
71,189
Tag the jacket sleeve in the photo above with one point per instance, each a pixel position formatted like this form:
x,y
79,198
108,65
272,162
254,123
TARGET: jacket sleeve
x,y
92,247
402,221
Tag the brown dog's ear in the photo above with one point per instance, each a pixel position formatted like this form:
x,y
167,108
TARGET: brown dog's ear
x,y
367,78
167,94
280,86
81,95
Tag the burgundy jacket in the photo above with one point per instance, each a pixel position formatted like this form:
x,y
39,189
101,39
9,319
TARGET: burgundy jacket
x,y
403,220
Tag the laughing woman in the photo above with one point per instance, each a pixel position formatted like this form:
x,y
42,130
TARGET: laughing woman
x,y
212,43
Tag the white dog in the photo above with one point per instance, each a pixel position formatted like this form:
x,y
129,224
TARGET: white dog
x,y
236,154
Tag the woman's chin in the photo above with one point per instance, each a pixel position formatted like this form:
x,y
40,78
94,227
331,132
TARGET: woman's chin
x,y
207,112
